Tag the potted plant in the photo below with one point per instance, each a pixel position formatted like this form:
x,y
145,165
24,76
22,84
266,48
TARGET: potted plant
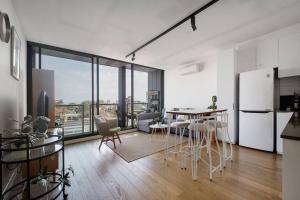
x,y
214,101
43,178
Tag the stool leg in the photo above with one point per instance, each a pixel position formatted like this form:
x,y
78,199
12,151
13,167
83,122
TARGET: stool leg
x,y
224,154
219,150
118,138
230,144
166,149
101,142
114,141
194,163
201,143
175,148
181,137
209,156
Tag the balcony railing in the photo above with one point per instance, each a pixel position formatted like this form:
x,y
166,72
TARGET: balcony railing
x,y
77,118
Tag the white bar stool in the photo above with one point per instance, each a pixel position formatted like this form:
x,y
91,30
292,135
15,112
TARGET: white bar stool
x,y
222,124
181,126
204,131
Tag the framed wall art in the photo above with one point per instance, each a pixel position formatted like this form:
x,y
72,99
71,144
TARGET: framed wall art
x,y
15,54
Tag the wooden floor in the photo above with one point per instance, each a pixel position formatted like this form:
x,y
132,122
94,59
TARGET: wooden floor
x,y
104,175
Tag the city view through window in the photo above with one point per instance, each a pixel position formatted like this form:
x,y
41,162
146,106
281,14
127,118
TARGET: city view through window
x,y
73,93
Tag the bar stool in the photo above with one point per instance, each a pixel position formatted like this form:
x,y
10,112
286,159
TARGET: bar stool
x,y
181,126
198,130
204,131
211,124
222,124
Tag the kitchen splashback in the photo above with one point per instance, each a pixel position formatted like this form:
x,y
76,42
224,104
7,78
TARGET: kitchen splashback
x,y
289,85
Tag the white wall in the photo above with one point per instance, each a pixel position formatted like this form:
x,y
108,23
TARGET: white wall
x,y
12,92
194,90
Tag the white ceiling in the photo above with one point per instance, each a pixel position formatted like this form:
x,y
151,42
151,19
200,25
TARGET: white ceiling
x,y
113,28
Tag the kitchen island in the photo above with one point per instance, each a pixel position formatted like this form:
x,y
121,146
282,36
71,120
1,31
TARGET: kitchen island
x,y
291,159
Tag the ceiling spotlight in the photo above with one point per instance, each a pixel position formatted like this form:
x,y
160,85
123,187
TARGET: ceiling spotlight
x,y
133,57
193,22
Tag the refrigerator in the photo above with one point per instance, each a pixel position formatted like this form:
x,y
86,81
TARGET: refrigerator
x,y
256,109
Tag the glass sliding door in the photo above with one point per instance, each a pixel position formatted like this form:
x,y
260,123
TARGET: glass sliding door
x,y
73,90
108,91
129,112
86,85
140,85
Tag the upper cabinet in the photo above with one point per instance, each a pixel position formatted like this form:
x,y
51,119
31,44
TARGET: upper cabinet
x,y
267,53
257,54
246,58
280,49
289,51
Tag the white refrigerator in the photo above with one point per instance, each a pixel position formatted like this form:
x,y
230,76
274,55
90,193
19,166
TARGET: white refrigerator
x,y
256,109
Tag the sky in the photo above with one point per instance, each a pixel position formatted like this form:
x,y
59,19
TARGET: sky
x,y
73,81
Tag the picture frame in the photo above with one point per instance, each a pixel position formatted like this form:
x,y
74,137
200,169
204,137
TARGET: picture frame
x,y
15,54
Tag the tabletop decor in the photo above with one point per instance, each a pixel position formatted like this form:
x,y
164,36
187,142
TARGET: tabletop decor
x,y
158,120
214,101
35,129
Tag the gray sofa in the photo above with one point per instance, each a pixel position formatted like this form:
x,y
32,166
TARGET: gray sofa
x,y
144,120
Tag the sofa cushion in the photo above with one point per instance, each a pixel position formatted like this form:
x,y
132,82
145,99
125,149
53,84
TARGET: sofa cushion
x,y
144,116
114,130
146,122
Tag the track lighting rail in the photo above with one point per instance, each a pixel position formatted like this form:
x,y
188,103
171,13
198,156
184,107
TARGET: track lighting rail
x,y
191,16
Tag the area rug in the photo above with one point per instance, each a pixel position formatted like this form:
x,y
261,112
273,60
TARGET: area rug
x,y
138,145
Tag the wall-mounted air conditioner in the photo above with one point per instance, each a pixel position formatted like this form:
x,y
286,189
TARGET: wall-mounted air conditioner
x,y
192,69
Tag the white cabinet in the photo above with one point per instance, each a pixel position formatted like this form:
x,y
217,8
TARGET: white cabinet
x,y
290,170
282,120
289,48
267,53
246,58
257,54
227,89
277,51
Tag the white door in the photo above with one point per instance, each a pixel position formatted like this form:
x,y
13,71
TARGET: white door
x,y
226,89
257,89
256,130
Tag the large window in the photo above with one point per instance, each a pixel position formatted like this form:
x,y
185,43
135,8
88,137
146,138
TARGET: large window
x,y
72,90
87,85
140,86
108,91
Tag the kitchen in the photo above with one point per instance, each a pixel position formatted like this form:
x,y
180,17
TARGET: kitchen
x,y
280,50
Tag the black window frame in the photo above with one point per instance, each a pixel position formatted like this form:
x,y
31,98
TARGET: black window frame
x,y
95,62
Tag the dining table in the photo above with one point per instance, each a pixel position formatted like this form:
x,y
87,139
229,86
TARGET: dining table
x,y
192,114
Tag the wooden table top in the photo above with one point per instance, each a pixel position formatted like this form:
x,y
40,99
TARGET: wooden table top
x,y
195,111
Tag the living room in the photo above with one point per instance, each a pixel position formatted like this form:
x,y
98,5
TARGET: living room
x,y
149,99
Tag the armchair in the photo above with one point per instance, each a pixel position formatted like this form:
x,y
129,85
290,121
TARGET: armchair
x,y
108,129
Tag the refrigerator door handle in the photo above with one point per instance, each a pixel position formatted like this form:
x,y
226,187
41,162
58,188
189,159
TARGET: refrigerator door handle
x,y
256,111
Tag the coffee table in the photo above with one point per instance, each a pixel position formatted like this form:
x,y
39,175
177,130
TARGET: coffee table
x,y
162,128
